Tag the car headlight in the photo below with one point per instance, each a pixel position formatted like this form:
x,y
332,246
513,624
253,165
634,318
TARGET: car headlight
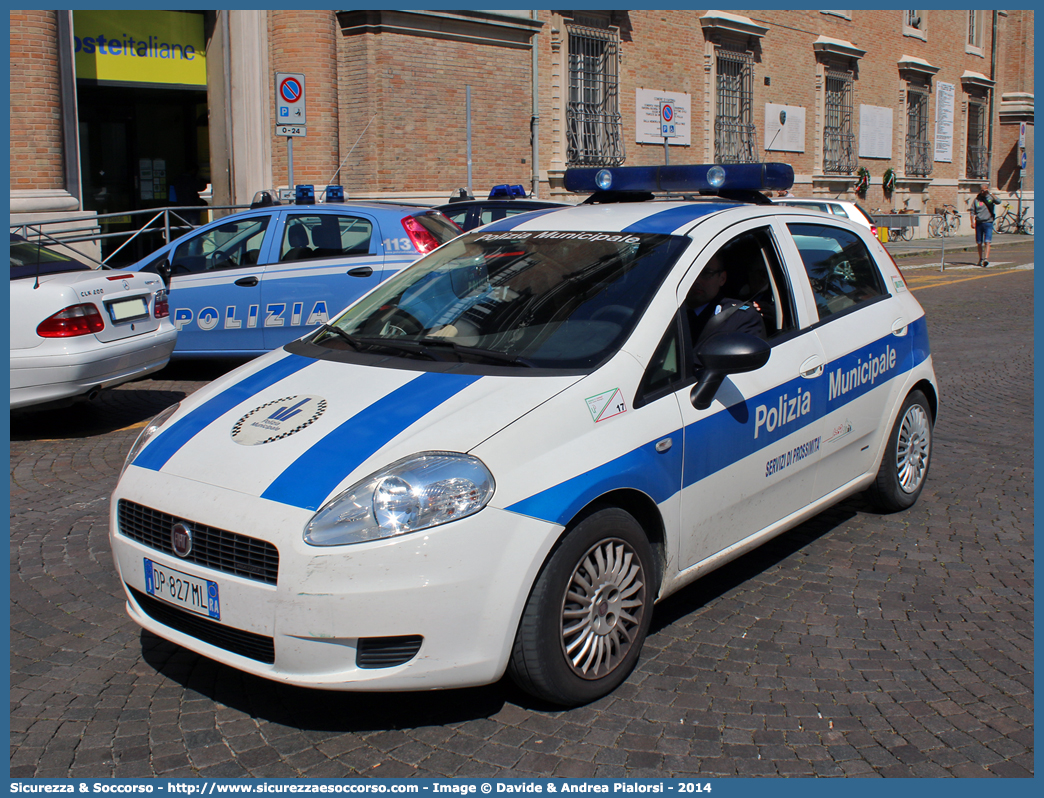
x,y
148,433
417,492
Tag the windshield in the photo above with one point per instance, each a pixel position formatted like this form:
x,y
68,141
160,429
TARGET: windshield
x,y
29,259
541,299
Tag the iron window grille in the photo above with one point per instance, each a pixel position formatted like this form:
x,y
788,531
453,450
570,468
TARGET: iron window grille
x,y
735,139
594,127
978,155
918,148
838,139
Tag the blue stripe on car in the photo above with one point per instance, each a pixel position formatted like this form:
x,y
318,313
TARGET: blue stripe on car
x,y
730,430
171,439
667,221
644,469
309,480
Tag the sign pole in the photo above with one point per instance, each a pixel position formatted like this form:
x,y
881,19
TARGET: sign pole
x,y
467,114
290,159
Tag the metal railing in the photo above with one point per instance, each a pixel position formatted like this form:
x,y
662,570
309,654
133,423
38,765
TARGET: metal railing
x,y
918,157
594,126
978,163
838,139
78,229
735,137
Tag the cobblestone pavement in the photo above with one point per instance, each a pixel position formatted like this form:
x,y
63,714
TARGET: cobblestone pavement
x,y
854,645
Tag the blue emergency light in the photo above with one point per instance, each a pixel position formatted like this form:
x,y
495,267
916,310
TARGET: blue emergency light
x,y
713,178
304,195
507,192
335,193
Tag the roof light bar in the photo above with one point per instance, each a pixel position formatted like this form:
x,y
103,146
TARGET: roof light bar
x,y
304,195
697,177
507,192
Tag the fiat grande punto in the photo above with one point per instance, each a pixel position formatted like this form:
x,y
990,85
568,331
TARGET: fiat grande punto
x,y
500,459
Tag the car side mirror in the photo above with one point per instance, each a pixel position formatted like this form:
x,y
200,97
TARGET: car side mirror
x,y
163,270
722,355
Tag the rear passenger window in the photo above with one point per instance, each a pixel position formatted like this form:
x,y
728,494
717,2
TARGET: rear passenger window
x,y
325,236
839,266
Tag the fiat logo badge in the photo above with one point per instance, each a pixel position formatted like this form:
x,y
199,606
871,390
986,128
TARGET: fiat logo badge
x,y
181,539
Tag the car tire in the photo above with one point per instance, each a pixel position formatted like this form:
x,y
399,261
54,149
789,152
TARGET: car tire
x,y
588,613
904,467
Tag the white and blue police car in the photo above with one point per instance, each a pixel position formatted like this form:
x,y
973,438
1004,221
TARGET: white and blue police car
x,y
502,457
250,282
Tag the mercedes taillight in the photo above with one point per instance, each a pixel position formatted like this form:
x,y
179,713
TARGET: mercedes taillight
x,y
162,307
72,321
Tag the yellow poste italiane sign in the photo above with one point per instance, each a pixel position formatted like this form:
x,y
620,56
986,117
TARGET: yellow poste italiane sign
x,y
140,47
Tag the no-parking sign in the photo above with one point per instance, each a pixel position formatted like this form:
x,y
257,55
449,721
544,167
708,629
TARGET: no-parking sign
x,y
290,99
668,128
662,114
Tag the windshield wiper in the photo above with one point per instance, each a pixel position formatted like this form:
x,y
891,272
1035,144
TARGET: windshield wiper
x,y
421,347
407,347
488,354
329,328
361,344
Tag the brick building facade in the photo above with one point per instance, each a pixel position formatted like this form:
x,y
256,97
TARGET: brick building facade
x,y
936,99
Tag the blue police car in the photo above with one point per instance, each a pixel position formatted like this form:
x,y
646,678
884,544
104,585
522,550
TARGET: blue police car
x,y
253,281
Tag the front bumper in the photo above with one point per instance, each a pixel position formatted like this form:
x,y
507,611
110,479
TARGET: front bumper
x,y
460,587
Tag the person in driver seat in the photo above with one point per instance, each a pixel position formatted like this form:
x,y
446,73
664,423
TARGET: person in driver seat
x,y
711,313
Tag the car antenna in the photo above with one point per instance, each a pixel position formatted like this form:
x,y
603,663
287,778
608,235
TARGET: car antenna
x,y
345,158
38,247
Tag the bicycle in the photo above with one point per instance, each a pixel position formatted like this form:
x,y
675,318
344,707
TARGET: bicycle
x,y
1010,222
946,222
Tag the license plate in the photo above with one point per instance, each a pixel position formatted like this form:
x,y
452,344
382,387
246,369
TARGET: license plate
x,y
183,590
128,309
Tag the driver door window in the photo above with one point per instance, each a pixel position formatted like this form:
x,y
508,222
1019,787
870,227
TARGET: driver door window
x,y
229,246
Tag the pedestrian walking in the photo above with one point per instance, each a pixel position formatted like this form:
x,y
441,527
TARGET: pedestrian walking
x,y
982,216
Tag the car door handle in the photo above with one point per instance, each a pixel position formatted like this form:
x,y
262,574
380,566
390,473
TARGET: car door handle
x,y
899,328
246,282
360,271
811,368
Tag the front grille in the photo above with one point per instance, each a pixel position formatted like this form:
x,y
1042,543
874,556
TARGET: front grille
x,y
219,549
246,644
386,652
